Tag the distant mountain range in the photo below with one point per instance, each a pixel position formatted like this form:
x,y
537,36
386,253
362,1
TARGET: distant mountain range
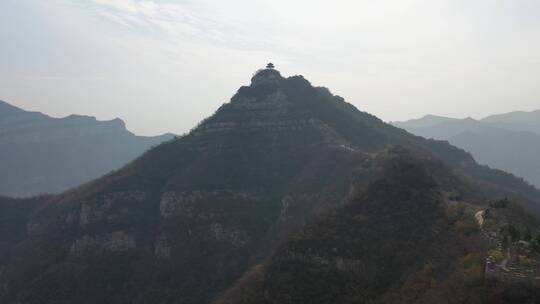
x,y
286,194
41,154
510,141
518,121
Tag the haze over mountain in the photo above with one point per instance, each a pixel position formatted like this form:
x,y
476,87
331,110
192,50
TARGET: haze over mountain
x,y
41,154
519,121
510,141
193,219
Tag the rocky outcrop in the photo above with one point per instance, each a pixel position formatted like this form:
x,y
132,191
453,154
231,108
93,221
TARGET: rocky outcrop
x,y
336,262
118,241
268,114
107,208
188,203
174,203
266,77
162,247
231,235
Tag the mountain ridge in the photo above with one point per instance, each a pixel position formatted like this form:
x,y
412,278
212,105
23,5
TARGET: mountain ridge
x,y
42,154
521,116
349,255
492,142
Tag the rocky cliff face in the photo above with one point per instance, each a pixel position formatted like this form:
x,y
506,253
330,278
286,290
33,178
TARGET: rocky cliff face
x,y
40,154
187,219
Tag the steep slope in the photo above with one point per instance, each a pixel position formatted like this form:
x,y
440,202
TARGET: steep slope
x,y
393,243
494,143
185,220
40,154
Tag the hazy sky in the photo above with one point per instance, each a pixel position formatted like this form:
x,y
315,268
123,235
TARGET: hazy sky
x,y
164,65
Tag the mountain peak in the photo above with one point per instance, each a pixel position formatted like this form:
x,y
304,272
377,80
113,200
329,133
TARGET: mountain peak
x,y
116,123
268,76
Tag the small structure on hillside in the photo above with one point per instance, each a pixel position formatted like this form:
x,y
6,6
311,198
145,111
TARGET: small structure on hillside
x,y
270,66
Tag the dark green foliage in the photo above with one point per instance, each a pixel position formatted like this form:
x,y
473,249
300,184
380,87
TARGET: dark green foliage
x,y
527,235
454,196
501,293
499,203
14,214
513,233
535,244
365,251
